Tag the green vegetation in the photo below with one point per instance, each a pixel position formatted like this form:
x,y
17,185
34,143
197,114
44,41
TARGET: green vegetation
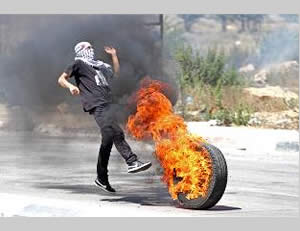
x,y
206,79
215,57
239,115
209,70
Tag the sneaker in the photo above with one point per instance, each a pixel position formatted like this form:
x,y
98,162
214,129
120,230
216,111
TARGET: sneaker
x,y
138,166
104,186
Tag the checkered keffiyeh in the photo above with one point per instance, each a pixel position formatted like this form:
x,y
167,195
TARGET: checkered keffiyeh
x,y
85,52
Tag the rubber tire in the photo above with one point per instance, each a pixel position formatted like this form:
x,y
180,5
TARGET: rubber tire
x,y
217,184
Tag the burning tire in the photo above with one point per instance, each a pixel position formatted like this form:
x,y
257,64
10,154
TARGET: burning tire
x,y
195,172
217,184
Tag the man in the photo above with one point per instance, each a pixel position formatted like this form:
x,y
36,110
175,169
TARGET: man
x,y
93,78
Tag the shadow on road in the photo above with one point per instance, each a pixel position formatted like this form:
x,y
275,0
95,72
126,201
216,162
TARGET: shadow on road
x,y
148,196
223,208
149,200
153,196
76,188
215,208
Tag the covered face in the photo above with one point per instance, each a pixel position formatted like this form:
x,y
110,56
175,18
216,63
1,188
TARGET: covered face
x,y
84,50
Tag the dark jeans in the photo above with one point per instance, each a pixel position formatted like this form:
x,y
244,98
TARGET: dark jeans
x,y
105,116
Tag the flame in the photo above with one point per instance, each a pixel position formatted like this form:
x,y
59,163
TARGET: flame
x,y
179,152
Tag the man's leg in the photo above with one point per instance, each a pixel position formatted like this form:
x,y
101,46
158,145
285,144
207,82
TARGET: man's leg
x,y
103,158
104,151
105,118
121,145
124,149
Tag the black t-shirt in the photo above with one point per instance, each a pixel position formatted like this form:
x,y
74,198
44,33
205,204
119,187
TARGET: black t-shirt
x,y
92,83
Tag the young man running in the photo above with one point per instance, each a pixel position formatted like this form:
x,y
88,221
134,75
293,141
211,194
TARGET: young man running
x,y
92,79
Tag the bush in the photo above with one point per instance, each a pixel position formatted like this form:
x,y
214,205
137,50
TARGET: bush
x,y
231,77
209,69
242,115
238,116
206,79
224,116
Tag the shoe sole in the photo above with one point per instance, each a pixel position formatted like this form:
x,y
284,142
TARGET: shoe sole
x,y
102,188
141,168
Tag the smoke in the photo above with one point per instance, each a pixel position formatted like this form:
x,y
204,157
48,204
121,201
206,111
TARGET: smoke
x,y
29,74
279,45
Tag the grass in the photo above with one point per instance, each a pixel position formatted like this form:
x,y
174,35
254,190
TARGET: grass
x,y
207,69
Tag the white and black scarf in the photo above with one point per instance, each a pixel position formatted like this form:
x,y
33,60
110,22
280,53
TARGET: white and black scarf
x,y
85,53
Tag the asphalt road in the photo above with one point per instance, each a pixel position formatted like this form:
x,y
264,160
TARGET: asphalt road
x,y
53,176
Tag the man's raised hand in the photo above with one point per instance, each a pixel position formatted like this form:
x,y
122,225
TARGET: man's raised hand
x,y
110,50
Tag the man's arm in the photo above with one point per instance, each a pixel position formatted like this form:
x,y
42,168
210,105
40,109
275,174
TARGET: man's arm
x,y
63,82
116,65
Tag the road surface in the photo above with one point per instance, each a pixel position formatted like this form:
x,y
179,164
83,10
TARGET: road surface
x,y
42,175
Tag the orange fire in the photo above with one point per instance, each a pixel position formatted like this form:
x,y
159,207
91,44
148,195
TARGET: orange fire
x,y
180,153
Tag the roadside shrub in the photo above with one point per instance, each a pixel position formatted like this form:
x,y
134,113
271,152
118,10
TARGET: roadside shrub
x,y
238,116
209,69
242,115
205,80
224,116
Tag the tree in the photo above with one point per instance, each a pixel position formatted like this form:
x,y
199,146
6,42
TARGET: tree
x,y
249,22
290,17
189,19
